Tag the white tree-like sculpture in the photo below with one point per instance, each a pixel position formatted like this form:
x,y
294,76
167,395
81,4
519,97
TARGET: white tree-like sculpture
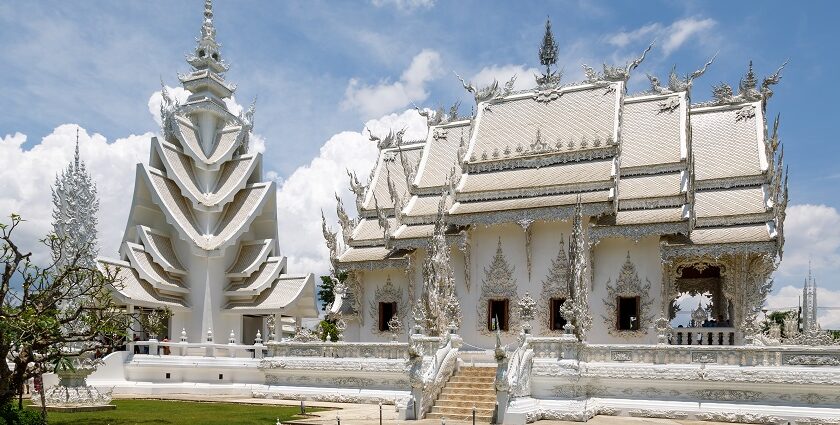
x,y
439,303
75,206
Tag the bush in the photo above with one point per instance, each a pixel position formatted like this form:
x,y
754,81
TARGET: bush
x,y
328,330
11,415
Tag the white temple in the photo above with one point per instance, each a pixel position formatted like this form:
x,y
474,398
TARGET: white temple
x,y
523,262
201,237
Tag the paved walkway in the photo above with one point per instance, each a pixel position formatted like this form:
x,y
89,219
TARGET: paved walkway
x,y
368,414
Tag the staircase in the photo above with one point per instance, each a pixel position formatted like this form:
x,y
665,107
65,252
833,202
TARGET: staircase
x,y
469,386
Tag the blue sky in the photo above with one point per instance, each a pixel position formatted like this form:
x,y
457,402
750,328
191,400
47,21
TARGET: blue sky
x,y
323,68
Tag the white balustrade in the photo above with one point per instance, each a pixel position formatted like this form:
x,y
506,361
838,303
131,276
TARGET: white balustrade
x,y
201,349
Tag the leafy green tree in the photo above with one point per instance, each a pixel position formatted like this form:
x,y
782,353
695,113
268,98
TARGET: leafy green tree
x,y
49,312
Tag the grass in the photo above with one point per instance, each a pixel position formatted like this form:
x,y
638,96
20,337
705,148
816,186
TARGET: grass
x,y
130,412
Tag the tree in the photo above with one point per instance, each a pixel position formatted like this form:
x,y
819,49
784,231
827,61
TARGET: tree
x,y
47,313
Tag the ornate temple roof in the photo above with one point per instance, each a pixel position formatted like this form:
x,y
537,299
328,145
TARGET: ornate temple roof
x,y
643,164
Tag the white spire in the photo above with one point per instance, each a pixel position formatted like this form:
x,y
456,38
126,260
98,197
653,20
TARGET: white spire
x,y
75,206
809,302
207,51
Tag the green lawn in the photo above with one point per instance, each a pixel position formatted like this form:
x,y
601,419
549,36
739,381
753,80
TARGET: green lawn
x,y
129,412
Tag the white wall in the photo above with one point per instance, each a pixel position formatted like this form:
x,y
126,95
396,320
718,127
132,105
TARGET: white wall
x,y
609,256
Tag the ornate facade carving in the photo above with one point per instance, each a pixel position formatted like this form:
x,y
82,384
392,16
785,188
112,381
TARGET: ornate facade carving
x,y
387,294
498,284
628,284
555,285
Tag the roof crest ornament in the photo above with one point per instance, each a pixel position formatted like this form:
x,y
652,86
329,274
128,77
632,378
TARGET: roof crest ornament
x,y
347,224
330,238
357,188
488,92
616,73
392,140
382,218
748,90
548,58
677,83
439,116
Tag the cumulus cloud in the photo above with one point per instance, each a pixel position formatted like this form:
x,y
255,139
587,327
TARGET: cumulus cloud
x,y
503,73
311,188
812,239
671,37
28,174
812,235
386,97
405,5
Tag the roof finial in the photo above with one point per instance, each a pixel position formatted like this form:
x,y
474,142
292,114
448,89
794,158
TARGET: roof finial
x,y
208,31
76,162
548,58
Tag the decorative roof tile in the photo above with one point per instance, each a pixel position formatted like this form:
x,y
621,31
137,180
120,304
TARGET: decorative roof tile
x,y
579,112
655,186
525,203
532,178
440,154
731,234
726,202
390,164
659,215
130,289
651,134
725,145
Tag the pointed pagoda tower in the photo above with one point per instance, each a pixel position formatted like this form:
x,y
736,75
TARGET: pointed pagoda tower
x,y
809,303
201,237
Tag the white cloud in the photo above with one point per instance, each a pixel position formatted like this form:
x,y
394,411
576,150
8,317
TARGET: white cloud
x,y
30,173
386,97
405,5
311,188
671,37
812,234
503,73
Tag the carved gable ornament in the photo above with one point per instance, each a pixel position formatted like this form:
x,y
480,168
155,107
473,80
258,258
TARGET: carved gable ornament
x,y
498,284
555,285
387,294
628,284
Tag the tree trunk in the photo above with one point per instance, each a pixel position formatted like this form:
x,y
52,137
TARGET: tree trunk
x,y
43,395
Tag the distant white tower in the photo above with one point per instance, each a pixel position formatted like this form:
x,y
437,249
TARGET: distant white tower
x,y
809,303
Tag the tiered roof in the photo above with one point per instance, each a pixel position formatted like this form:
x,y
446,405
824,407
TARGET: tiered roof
x,y
702,176
202,191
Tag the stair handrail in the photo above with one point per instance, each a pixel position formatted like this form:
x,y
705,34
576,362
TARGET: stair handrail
x,y
440,368
519,368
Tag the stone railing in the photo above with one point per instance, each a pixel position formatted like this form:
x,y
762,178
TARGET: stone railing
x,y
375,350
702,336
435,362
202,349
740,355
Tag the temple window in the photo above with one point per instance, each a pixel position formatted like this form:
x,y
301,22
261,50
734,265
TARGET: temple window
x,y
628,313
556,320
497,314
386,312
